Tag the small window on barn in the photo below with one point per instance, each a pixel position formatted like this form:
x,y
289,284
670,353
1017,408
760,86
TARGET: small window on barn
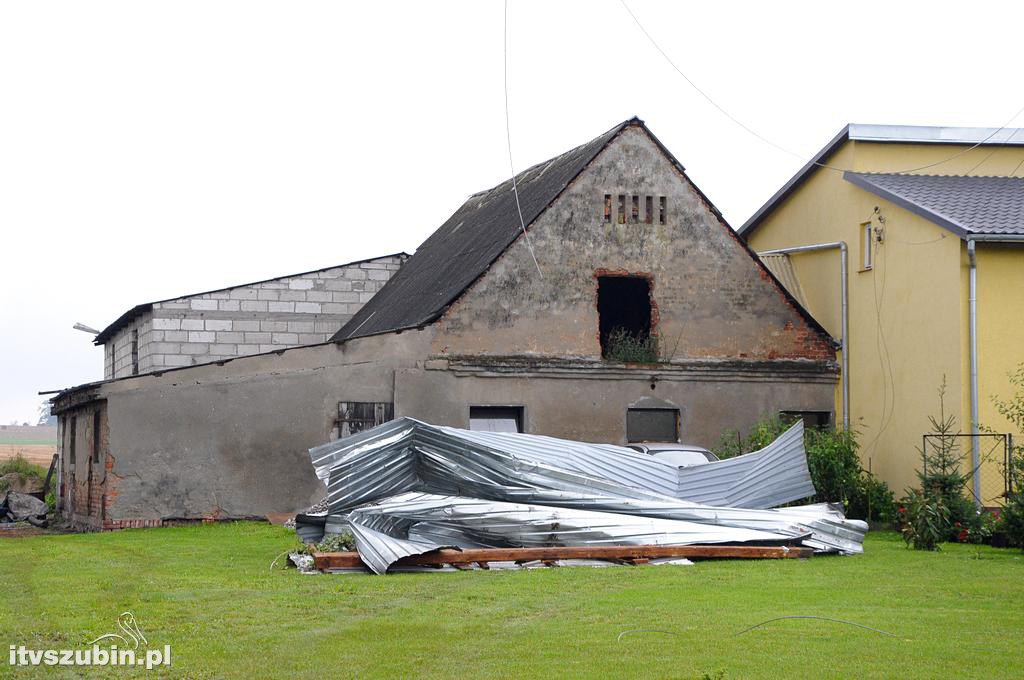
x,y
607,208
135,352
356,416
818,420
652,425
71,440
662,209
622,208
496,418
648,209
95,454
635,213
624,311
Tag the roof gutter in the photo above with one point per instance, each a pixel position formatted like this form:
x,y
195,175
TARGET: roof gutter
x,y
844,303
996,238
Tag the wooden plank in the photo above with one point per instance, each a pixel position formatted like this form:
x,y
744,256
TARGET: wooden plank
x,y
549,553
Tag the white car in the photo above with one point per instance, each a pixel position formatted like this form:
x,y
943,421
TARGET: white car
x,y
680,455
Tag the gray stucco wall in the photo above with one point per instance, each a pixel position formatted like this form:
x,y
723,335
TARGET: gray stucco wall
x,y
250,319
712,299
590,404
233,440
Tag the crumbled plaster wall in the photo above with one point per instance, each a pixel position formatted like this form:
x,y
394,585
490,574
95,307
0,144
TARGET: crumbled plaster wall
x,y
711,299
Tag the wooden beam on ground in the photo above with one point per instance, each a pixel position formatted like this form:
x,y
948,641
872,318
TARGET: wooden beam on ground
x,y
635,553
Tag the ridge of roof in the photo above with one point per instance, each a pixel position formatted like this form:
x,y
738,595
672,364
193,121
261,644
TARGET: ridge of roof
x,y
144,307
462,249
885,134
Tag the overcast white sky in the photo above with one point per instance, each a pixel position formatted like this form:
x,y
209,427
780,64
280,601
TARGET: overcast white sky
x,y
149,150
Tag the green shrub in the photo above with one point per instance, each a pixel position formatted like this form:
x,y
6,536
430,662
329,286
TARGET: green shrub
x,y
623,346
1012,515
22,467
764,432
943,486
833,463
927,520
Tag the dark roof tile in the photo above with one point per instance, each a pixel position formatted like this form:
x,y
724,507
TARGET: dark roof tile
x,y
967,206
465,246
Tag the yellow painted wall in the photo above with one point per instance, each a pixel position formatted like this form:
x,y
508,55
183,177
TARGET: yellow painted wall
x,y
908,315
1000,338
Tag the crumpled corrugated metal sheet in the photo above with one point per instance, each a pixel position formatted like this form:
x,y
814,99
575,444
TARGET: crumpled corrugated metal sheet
x,y
406,487
406,454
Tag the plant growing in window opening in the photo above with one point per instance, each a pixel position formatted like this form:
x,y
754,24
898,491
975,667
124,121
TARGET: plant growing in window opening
x,y
629,348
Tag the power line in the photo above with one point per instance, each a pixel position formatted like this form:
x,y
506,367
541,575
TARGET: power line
x,y
764,139
989,155
508,138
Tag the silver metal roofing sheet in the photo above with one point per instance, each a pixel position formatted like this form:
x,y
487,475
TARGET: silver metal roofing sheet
x,y
407,487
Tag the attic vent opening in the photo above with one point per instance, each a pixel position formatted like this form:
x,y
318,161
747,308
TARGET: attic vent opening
x,y
622,208
648,209
661,210
635,214
624,311
607,208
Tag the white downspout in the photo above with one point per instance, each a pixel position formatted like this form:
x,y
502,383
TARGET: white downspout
x,y
844,304
972,304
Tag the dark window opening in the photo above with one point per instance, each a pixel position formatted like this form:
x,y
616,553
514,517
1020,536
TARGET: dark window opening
x,y
356,416
135,352
622,208
624,309
607,208
819,420
71,440
636,209
661,210
96,436
496,418
652,425
648,209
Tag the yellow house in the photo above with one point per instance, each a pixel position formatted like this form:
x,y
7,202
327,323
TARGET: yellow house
x,y
907,244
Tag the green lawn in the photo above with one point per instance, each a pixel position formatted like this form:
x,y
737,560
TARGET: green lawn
x,y
208,592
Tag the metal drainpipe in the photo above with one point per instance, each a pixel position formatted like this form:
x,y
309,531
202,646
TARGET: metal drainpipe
x,y
844,303
972,304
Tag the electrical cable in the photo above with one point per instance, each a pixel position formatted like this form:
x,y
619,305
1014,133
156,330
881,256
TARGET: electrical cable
x,y
784,149
989,155
819,618
508,138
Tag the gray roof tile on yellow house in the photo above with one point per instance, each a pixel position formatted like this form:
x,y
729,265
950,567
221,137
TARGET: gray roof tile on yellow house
x,y
883,134
967,206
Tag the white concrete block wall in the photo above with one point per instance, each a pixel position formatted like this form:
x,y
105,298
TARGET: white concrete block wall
x,y
118,360
288,312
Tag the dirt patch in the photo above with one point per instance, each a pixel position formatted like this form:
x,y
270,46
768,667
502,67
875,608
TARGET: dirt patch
x,y
37,454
